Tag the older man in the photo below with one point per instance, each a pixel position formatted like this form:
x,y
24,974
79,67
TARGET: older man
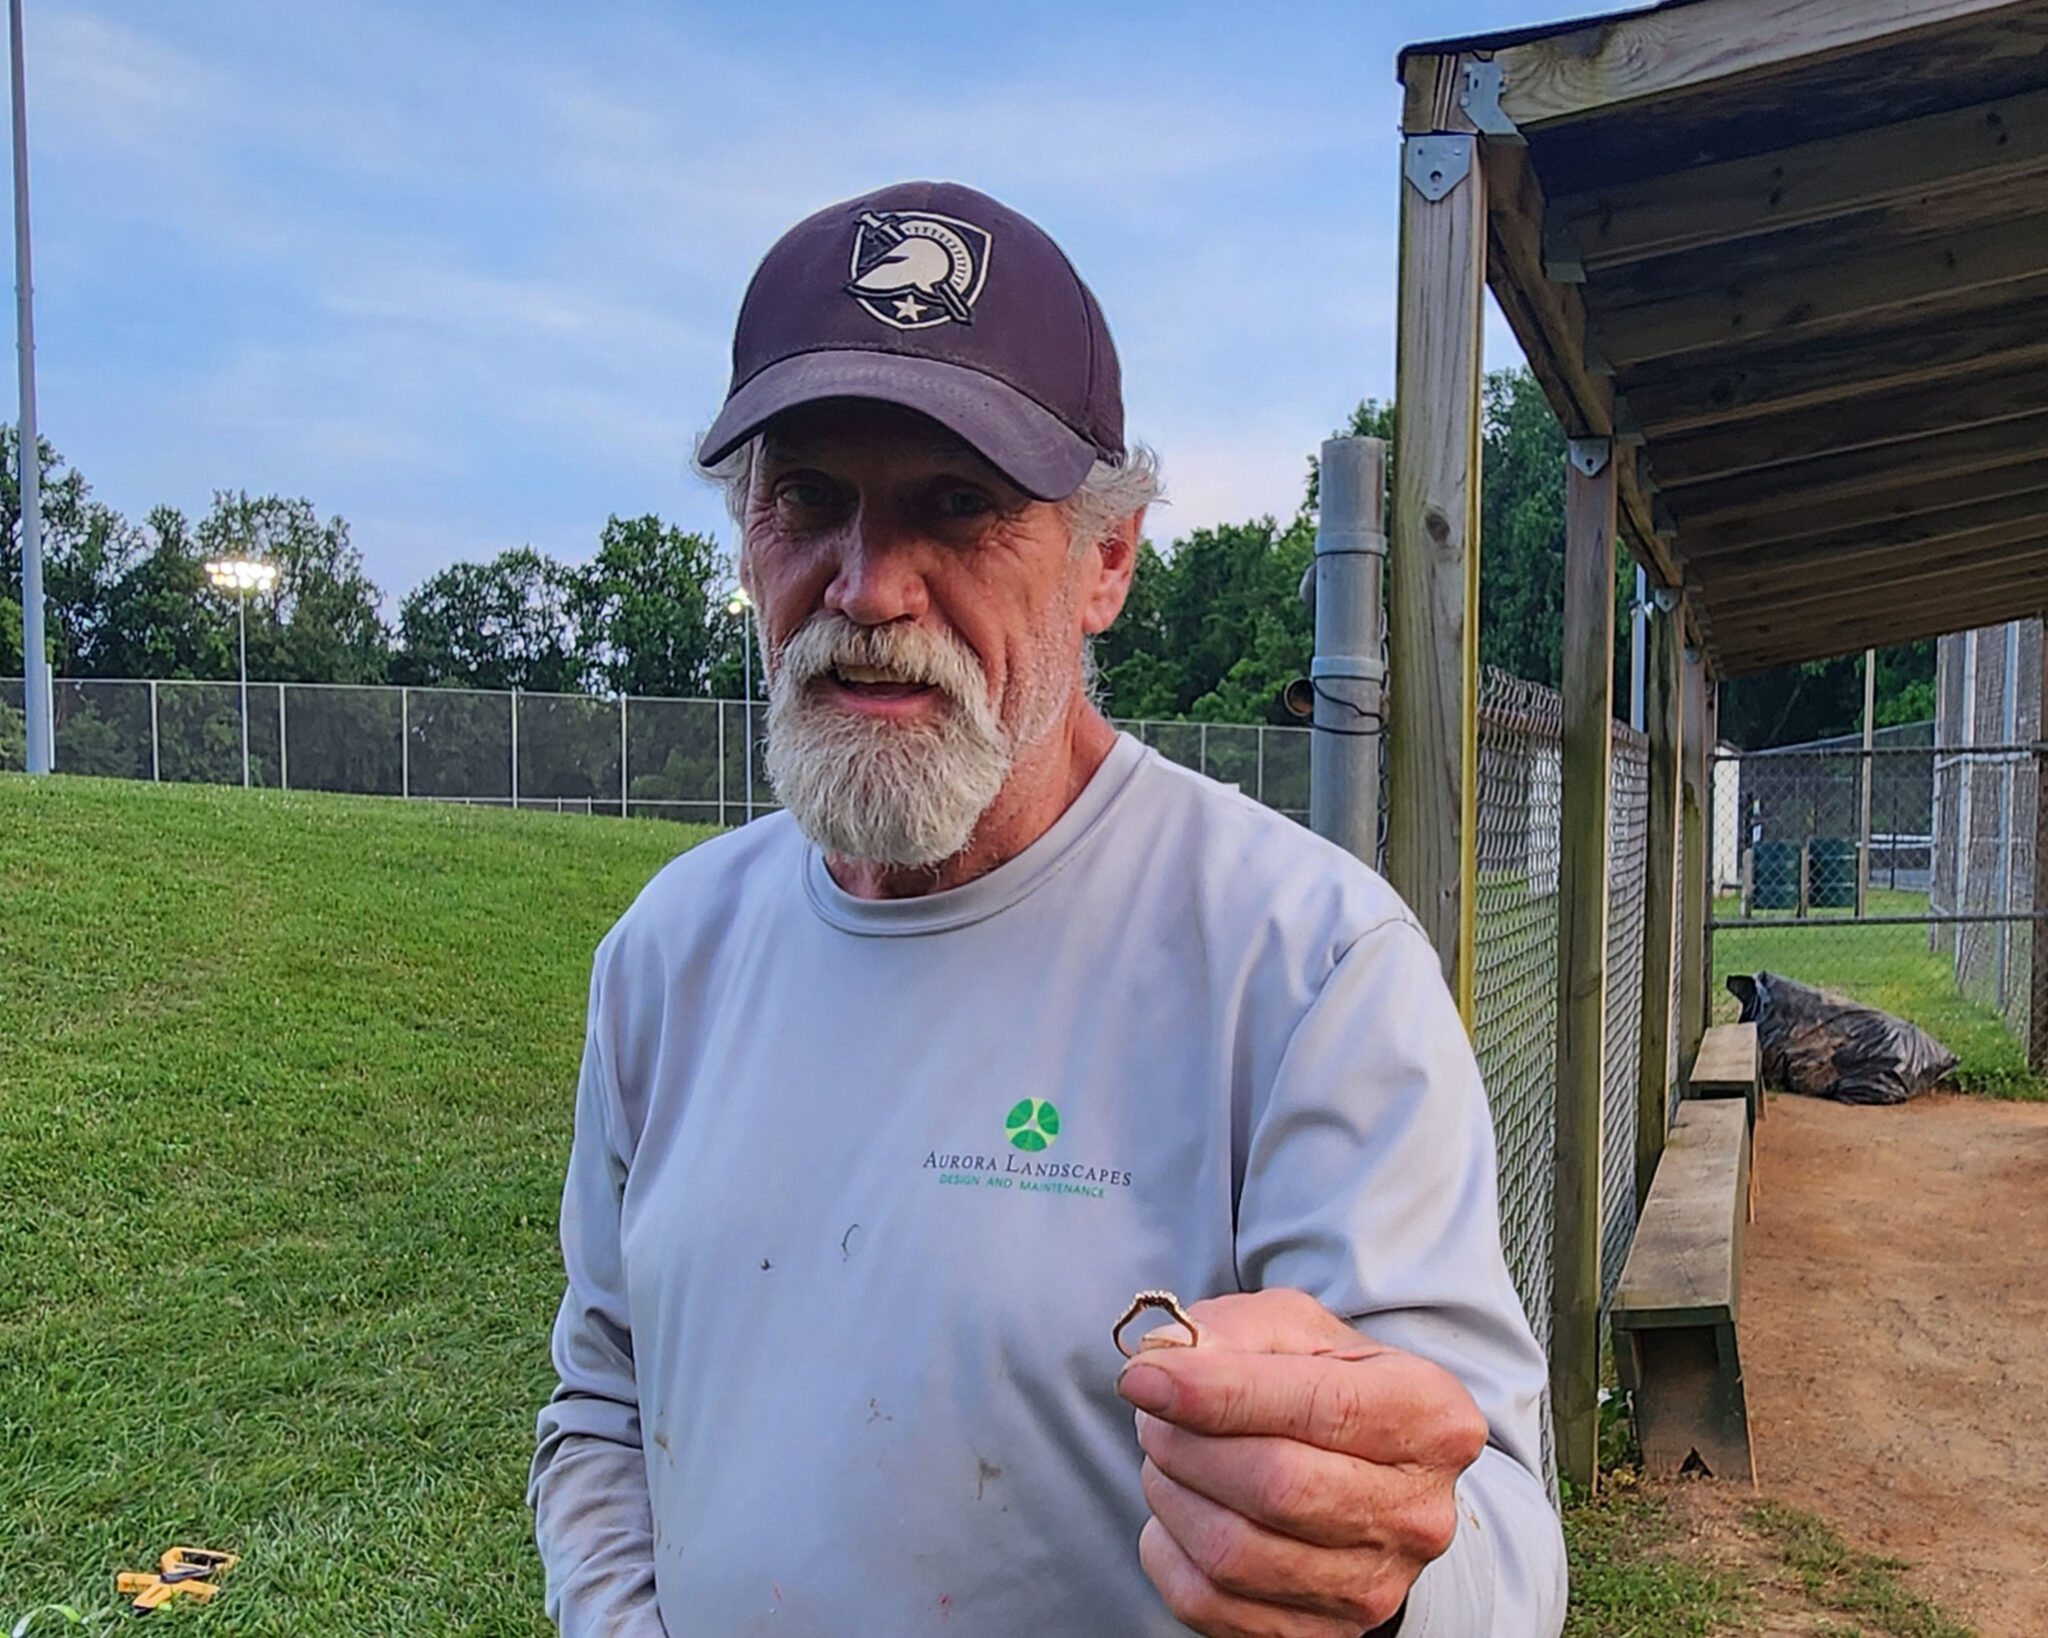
x,y
890,1103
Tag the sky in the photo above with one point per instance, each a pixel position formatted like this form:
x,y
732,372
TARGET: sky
x,y
465,273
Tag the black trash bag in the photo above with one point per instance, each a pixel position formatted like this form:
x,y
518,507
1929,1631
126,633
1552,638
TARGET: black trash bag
x,y
1826,1046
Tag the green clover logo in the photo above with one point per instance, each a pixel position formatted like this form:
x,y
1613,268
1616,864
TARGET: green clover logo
x,y
1032,1124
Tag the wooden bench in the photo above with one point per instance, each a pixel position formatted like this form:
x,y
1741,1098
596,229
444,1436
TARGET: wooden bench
x,y
1730,1065
1675,1311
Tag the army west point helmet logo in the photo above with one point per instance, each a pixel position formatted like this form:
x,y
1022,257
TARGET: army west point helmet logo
x,y
912,269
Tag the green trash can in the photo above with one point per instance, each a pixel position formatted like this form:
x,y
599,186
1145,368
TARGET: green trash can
x,y
1831,878
1774,876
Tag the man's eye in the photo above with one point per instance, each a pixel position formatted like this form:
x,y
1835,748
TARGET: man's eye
x,y
804,493
964,503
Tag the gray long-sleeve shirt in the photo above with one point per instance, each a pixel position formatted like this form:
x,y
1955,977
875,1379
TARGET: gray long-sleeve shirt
x,y
858,1188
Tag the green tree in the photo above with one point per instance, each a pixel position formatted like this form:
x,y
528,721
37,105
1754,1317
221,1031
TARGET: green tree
x,y
501,624
648,610
161,619
321,621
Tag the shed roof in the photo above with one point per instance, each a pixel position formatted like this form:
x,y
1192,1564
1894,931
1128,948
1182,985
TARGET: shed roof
x,y
1794,253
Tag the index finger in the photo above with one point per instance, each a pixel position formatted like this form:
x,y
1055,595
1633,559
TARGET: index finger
x,y
1386,1408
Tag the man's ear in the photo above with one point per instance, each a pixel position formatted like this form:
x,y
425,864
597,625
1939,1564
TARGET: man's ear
x,y
1113,560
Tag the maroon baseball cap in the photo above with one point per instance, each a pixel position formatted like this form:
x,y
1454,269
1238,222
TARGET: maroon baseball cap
x,y
935,297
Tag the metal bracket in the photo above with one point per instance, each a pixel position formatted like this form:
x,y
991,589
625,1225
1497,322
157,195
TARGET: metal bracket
x,y
1665,597
1485,79
1591,455
1437,163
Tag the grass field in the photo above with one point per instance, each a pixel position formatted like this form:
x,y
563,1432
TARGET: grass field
x,y
284,1103
1883,966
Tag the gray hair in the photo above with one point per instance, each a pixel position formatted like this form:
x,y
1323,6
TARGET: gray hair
x,y
1111,492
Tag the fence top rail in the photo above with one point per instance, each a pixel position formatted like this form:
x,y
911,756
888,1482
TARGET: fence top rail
x,y
1851,753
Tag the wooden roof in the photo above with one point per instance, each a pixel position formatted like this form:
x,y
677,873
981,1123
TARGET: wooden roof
x,y
1794,254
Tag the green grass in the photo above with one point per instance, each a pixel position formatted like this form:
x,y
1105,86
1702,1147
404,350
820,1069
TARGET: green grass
x,y
1627,1579
1851,1583
285,1095
1888,967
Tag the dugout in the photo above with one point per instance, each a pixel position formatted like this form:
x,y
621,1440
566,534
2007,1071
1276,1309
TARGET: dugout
x,y
1781,268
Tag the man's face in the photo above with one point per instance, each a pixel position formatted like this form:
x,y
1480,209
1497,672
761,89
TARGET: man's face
x,y
924,623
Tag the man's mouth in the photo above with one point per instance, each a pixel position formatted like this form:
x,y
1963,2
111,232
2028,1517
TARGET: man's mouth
x,y
876,682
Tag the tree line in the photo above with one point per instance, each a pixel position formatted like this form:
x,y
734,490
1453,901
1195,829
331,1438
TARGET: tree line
x,y
1213,630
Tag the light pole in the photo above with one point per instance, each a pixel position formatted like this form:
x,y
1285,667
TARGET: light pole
x,y
743,605
242,575
35,671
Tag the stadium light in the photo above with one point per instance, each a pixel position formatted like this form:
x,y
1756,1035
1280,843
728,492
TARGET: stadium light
x,y
743,605
242,575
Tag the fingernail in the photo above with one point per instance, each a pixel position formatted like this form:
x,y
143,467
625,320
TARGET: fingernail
x,y
1146,1386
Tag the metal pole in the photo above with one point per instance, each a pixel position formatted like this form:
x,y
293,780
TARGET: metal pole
x,y
1639,653
404,741
284,782
515,748
28,446
1869,739
2009,732
622,756
1348,671
720,704
242,624
747,659
155,755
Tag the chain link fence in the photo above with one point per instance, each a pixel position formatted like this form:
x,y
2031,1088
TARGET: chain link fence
x,y
687,759
1902,876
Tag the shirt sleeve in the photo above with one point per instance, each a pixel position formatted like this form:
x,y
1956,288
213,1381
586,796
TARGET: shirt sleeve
x,y
588,1487
1370,1184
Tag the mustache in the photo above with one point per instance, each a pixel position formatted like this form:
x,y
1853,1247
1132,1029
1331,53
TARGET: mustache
x,y
925,658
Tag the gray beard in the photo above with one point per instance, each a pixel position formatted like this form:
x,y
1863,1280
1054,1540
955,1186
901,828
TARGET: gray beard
x,y
906,795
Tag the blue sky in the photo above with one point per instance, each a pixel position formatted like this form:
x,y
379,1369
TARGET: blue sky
x,y
466,273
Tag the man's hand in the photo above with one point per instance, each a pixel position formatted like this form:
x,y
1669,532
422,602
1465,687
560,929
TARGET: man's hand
x,y
1299,1475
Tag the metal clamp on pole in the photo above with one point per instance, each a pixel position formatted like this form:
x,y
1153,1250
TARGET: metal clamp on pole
x,y
1349,670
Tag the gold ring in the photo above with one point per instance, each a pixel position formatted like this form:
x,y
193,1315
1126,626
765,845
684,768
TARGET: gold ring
x,y
1154,1299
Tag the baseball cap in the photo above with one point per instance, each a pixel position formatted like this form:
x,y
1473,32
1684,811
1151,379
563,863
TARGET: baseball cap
x,y
938,298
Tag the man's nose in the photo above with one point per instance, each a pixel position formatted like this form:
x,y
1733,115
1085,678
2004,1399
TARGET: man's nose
x,y
880,575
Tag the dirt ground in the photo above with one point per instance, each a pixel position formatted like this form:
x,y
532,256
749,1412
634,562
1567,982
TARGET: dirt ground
x,y
1895,1341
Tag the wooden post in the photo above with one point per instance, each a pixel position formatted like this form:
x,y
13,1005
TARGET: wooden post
x,y
1660,888
1710,742
1692,886
1582,957
1433,569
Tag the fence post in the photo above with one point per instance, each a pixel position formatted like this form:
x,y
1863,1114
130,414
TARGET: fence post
x,y
722,822
1348,672
1582,956
622,754
1259,776
1433,569
515,749
284,782
1660,882
404,742
155,751
1869,739
2037,929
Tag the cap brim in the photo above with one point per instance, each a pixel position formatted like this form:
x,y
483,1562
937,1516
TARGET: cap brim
x,y
1019,437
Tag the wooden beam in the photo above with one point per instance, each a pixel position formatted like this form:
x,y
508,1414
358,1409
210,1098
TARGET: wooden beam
x,y
1433,567
1582,956
1839,369
1891,417
1852,280
1908,499
1549,322
1676,50
1653,1070
1760,643
1692,881
1859,472
1878,553
1807,181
